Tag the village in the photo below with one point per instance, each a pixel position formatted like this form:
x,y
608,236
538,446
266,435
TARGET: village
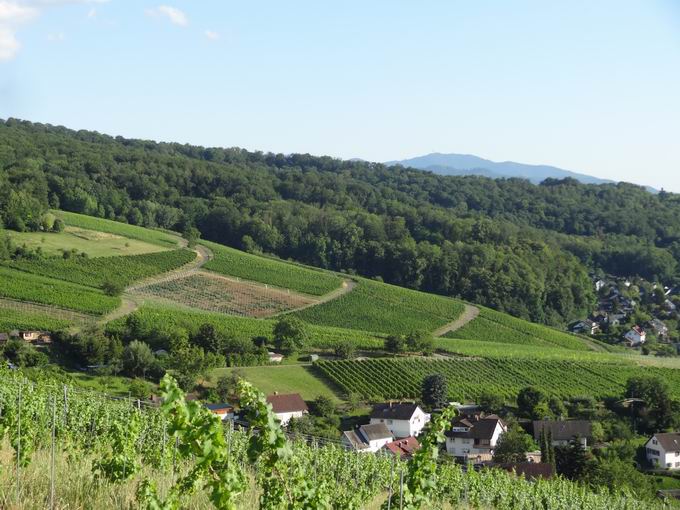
x,y
634,313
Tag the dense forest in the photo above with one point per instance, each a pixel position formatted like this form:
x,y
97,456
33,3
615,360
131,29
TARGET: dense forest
x,y
509,244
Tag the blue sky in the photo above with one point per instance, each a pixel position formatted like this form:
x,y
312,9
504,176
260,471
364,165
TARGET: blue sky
x,y
588,86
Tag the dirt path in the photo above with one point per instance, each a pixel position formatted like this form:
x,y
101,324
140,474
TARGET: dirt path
x,y
130,302
469,314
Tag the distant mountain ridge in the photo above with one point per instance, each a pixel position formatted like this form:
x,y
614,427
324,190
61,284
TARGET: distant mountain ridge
x,y
467,164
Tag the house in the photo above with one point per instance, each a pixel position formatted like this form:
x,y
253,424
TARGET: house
x,y
275,357
474,438
659,328
599,285
44,338
223,411
4,338
287,406
663,450
562,432
367,438
403,420
30,336
636,336
403,448
588,327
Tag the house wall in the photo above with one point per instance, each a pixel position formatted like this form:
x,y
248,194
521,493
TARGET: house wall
x,y
460,447
376,445
284,418
657,456
405,428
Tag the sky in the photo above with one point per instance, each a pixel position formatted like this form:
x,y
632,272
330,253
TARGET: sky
x,y
588,86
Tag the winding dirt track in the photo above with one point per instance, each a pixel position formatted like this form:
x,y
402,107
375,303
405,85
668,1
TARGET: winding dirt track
x,y
469,314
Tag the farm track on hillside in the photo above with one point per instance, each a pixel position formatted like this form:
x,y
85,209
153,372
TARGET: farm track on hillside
x,y
469,314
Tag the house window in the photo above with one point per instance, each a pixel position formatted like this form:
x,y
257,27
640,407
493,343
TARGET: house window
x,y
653,441
389,422
669,464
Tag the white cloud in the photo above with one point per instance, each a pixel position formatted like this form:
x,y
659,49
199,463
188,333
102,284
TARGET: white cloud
x,y
212,35
9,46
12,14
175,16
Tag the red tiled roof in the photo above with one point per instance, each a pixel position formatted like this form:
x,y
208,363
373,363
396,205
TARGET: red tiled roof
x,y
289,403
403,447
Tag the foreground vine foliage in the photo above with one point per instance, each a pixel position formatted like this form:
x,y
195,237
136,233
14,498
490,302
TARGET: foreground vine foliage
x,y
186,455
199,435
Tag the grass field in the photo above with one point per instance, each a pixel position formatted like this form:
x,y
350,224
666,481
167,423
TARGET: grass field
x,y
497,327
157,237
284,379
95,244
390,378
39,289
387,309
215,293
95,271
279,273
19,319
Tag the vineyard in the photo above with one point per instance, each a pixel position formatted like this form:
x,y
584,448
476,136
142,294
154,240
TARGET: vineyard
x,y
153,318
93,272
286,275
492,326
157,237
18,317
387,309
39,289
388,378
213,293
69,447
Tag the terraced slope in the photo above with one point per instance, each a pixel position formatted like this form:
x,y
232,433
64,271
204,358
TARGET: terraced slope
x,y
230,262
386,309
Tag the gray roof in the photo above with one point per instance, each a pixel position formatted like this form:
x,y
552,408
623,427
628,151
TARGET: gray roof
x,y
375,431
669,440
393,411
477,429
361,437
563,430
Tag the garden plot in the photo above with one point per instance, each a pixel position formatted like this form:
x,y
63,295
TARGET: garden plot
x,y
214,293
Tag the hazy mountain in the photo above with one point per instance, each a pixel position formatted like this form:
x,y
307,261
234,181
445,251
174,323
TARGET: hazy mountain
x,y
465,164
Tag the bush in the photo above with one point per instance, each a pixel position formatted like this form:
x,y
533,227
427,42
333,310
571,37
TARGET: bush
x,y
344,350
111,287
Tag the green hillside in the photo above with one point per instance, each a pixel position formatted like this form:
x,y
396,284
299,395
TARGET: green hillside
x,y
383,308
156,321
39,289
157,237
22,319
492,326
389,378
231,262
93,272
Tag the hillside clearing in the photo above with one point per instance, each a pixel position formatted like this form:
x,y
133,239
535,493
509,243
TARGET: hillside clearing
x,y
92,242
284,379
147,235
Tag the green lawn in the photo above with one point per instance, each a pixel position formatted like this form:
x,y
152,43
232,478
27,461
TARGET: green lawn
x,y
18,319
284,379
95,244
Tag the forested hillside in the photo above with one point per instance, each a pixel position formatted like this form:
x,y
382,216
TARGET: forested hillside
x,y
508,244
